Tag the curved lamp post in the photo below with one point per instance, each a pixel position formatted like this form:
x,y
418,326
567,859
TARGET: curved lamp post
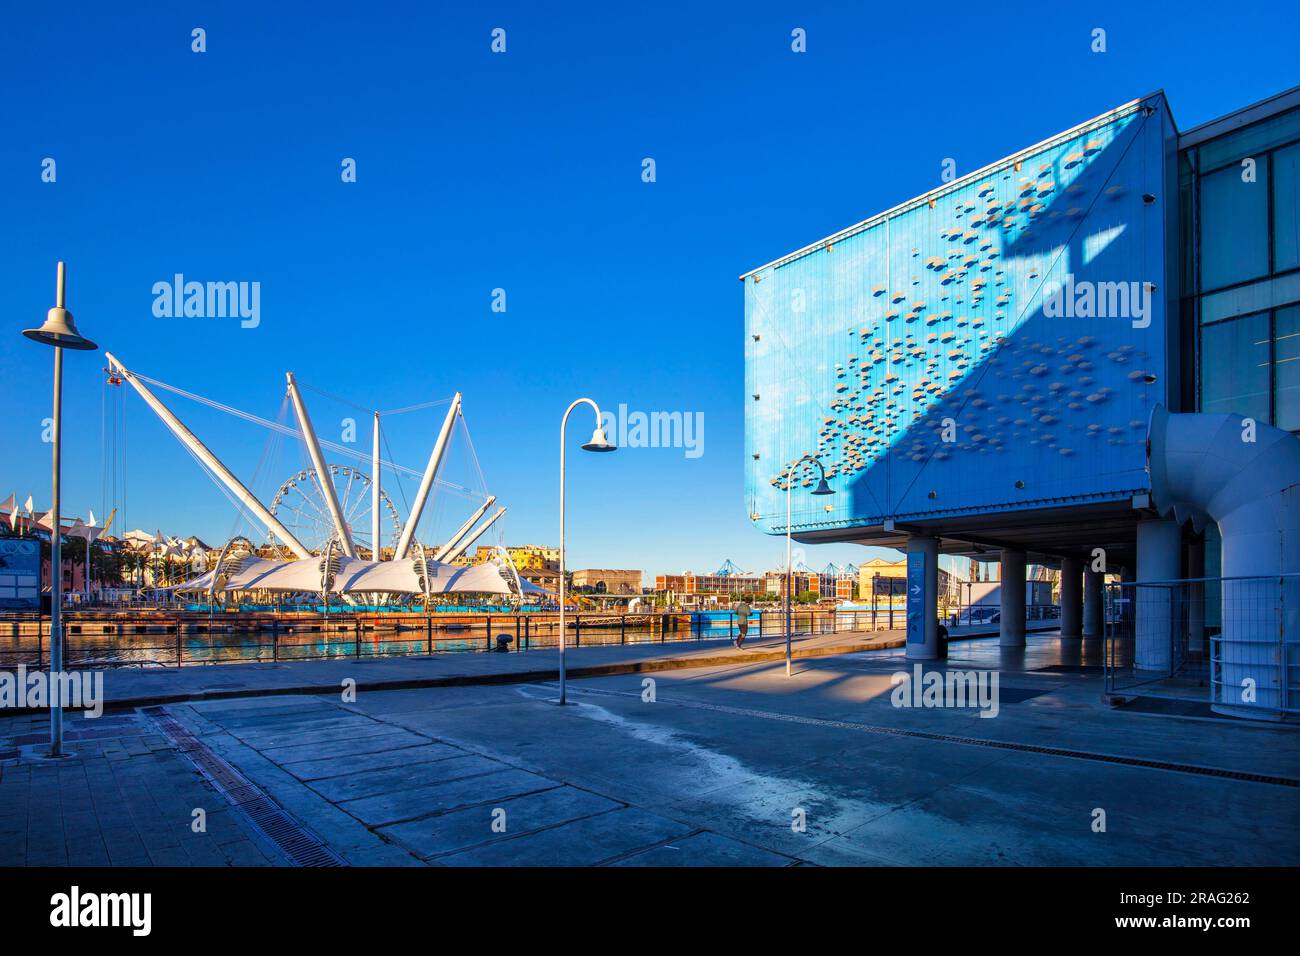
x,y
598,442
822,489
60,332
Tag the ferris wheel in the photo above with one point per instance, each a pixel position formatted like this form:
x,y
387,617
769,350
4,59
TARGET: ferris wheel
x,y
300,505
348,510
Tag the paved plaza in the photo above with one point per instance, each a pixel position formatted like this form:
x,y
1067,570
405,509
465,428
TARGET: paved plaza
x,y
724,764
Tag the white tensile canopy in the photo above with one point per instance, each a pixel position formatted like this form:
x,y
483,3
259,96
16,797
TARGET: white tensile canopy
x,y
356,576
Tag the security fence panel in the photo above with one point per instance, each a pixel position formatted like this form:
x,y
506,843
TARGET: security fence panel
x,y
1231,643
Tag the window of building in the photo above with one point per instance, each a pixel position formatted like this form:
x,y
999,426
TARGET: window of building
x,y
1234,227
1243,280
1286,208
1251,366
1286,368
1235,367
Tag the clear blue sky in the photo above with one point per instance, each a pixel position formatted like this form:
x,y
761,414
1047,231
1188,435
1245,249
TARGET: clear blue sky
x,y
519,171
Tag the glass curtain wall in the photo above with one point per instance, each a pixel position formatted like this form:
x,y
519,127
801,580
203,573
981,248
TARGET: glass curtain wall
x,y
1241,214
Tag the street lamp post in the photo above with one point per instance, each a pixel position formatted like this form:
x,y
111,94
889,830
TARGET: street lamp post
x,y
875,597
598,442
822,489
58,331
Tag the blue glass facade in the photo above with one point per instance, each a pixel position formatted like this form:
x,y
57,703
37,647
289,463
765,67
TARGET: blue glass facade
x,y
1240,224
995,345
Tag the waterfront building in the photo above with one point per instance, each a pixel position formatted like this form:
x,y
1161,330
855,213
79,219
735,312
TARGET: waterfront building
x,y
606,581
1030,364
712,585
842,582
523,555
546,578
803,580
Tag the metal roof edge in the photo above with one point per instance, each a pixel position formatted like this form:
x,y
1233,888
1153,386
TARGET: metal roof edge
x,y
958,183
1256,112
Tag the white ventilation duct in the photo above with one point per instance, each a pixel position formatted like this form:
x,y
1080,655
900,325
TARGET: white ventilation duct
x,y
1247,481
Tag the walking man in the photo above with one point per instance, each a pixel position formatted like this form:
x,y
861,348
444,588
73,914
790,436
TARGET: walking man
x,y
742,621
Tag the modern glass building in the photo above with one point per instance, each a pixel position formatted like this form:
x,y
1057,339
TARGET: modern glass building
x,y
977,369
1239,219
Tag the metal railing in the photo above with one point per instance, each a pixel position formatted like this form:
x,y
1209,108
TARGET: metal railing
x,y
170,638
1233,643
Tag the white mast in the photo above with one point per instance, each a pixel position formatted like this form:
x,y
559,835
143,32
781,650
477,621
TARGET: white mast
x,y
188,439
430,472
375,544
323,476
460,549
464,529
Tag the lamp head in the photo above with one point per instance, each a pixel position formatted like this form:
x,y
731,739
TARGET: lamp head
x,y
599,442
823,488
60,331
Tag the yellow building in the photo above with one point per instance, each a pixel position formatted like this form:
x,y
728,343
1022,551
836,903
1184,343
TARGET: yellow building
x,y
885,578
525,556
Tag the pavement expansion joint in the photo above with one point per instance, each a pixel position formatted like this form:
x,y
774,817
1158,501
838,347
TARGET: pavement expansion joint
x,y
276,827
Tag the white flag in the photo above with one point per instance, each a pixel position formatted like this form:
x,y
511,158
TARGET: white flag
x,y
27,506
91,523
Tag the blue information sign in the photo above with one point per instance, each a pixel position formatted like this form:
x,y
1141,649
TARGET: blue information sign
x,y
20,574
916,597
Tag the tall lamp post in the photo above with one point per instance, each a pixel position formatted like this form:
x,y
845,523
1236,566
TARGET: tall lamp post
x,y
598,442
875,597
60,332
822,489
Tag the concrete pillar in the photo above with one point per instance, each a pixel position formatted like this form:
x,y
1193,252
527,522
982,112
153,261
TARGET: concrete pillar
x,y
1159,548
1012,591
1094,603
1071,599
923,599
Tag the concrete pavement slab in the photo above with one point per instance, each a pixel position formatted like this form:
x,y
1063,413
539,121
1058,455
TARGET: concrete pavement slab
x,y
585,842
441,797
706,849
520,816
370,783
394,738
341,765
